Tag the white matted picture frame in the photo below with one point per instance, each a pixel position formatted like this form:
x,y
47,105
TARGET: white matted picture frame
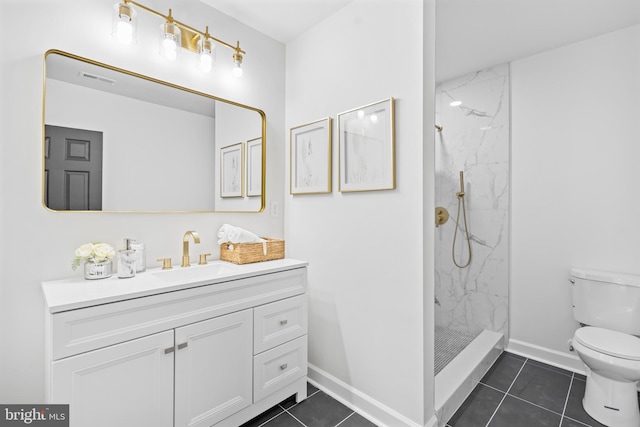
x,y
254,167
367,147
232,170
310,158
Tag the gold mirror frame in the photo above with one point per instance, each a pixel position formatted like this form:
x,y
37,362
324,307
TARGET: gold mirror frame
x,y
169,85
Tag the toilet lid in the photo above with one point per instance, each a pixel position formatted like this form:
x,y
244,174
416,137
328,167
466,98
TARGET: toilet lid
x,y
609,342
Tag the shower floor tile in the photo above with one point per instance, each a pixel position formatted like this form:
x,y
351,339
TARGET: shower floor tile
x,y
448,344
529,394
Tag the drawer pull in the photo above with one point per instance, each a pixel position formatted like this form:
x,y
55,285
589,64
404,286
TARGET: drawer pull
x,y
169,350
283,366
183,345
284,322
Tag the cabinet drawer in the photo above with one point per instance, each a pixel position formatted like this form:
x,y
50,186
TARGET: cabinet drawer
x,y
279,367
279,322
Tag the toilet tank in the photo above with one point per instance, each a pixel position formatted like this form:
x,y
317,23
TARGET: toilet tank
x,y
606,300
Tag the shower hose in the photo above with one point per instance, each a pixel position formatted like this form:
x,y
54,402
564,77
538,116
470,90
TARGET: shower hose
x,y
466,228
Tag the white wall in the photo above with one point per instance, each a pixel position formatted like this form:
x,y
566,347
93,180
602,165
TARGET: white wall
x,y
366,250
38,245
575,178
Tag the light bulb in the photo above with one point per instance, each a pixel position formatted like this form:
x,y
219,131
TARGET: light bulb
x,y
169,40
124,24
207,52
206,63
237,70
124,32
169,48
169,44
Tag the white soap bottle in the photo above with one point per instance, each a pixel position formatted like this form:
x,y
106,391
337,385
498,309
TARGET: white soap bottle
x,y
141,255
126,261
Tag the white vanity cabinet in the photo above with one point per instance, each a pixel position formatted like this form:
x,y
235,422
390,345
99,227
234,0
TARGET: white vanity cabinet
x,y
200,352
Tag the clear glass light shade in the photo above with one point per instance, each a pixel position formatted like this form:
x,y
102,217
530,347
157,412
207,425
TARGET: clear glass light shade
x,y
169,41
124,24
237,66
206,55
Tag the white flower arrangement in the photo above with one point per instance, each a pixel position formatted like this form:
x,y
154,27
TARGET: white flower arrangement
x,y
93,252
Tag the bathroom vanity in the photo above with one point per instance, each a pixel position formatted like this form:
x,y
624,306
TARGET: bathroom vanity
x,y
206,345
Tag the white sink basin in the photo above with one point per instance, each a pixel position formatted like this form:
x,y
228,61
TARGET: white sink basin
x,y
197,272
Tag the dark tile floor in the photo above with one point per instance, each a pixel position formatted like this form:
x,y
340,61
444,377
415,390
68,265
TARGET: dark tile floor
x,y
318,410
524,393
516,392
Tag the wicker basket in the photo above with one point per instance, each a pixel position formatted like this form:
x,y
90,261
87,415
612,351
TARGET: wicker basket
x,y
246,253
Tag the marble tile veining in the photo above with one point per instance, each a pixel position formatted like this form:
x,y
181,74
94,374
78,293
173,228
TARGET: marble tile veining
x,y
474,139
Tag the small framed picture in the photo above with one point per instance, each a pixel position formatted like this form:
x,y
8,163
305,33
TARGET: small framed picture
x,y
310,159
367,147
254,167
232,170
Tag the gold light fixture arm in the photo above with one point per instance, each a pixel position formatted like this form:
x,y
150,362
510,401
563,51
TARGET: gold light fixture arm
x,y
190,35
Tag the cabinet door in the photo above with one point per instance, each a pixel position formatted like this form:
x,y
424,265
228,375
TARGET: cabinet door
x,y
124,385
213,369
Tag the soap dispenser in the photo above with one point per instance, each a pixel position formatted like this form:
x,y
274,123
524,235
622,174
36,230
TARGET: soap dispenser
x,y
126,261
141,255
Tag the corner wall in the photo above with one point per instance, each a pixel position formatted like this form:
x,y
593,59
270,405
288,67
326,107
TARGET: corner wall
x,y
38,245
366,250
575,178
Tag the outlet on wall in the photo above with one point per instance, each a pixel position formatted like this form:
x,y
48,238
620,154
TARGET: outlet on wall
x,y
274,208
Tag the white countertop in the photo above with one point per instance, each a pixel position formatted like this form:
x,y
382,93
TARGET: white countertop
x,y
76,292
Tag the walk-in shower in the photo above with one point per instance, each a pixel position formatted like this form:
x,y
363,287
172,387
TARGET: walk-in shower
x,y
471,253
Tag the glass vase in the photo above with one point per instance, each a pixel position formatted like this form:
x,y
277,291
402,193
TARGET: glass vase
x,y
98,270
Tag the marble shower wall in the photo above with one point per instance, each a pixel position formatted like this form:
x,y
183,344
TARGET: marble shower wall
x,y
474,139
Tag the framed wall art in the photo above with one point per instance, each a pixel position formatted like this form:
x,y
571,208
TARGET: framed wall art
x,y
367,147
232,170
254,167
310,158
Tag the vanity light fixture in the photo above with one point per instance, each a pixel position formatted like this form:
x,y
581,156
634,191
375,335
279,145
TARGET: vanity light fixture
x,y
206,52
237,62
169,39
124,24
175,36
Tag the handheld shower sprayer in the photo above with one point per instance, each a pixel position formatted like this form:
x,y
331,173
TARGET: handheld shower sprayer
x,y
460,196
461,192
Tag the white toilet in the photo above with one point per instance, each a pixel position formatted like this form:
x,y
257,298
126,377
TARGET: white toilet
x,y
608,304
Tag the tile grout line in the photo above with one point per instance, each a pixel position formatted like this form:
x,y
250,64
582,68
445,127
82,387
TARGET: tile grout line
x,y
348,416
535,404
294,417
296,404
506,393
566,400
285,410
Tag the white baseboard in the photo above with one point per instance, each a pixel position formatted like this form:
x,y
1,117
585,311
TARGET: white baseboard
x,y
551,357
365,405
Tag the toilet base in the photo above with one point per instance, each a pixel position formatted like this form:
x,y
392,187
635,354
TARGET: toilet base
x,y
612,403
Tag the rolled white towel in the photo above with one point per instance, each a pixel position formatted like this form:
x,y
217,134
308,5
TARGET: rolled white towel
x,y
230,233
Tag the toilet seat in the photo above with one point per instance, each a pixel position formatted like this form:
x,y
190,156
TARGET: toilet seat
x,y
612,343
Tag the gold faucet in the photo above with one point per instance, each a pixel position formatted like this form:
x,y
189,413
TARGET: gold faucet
x,y
185,246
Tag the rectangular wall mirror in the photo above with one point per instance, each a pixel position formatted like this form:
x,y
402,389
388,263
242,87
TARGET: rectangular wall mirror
x,y
115,140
